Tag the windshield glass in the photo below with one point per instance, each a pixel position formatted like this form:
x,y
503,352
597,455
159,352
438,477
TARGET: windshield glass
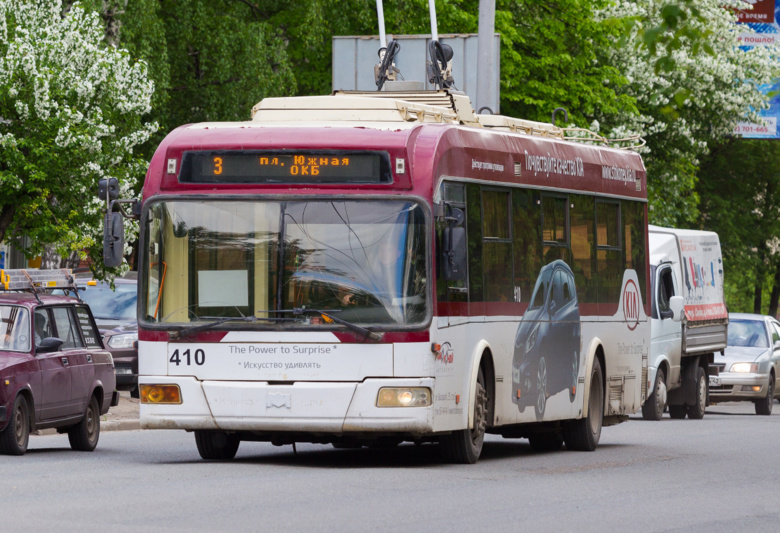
x,y
363,260
108,304
747,333
14,328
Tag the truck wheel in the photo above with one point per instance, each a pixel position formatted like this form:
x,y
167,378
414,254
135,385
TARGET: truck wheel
x,y
764,405
583,435
546,441
465,446
653,408
16,435
216,445
696,411
83,437
677,411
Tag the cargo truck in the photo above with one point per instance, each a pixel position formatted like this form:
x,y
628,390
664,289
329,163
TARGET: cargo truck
x,y
688,323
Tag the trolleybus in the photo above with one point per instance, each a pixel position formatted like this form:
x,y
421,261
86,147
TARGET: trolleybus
x,y
384,267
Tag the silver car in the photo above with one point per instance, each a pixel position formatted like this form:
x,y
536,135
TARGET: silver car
x,y
749,366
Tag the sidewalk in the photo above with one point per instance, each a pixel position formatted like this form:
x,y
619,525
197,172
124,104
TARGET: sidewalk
x,y
123,417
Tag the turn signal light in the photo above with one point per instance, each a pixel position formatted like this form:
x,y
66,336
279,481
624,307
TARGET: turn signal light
x,y
404,397
160,393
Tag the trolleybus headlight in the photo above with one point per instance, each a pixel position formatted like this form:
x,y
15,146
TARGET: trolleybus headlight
x,y
160,394
744,367
403,397
122,341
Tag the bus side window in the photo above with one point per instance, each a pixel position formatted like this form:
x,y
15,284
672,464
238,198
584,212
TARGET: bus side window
x,y
453,194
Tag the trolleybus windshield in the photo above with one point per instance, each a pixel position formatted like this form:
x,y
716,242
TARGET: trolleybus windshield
x,y
362,259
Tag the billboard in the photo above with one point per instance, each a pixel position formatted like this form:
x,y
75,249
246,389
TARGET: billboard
x,y
759,27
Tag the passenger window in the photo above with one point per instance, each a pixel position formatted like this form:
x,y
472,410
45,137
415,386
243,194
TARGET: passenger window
x,y
567,292
775,332
91,336
67,329
665,291
558,290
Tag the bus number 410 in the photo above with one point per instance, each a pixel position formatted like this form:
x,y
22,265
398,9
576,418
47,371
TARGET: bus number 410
x,y
199,356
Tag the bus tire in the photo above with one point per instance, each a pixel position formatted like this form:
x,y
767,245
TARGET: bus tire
x,y
696,411
16,435
653,408
583,435
216,445
83,437
465,446
546,441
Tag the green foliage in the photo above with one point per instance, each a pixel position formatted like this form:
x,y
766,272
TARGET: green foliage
x,y
740,200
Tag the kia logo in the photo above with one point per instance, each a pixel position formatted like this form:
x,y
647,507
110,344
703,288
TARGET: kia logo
x,y
631,305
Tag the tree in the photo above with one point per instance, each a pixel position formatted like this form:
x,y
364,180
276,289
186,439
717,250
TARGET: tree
x,y
691,103
740,200
71,110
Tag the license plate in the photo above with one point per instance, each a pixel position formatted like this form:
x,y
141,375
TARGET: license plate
x,y
714,381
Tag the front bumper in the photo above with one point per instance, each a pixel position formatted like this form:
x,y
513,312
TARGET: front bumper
x,y
733,386
300,407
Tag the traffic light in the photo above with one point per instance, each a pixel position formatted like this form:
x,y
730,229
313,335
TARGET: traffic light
x,y
110,185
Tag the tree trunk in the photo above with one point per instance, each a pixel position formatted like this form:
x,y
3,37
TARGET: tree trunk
x,y
757,297
775,298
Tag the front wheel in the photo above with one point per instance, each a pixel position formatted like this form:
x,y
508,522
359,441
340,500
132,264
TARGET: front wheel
x,y
653,408
216,445
16,435
764,405
84,436
584,434
696,411
465,446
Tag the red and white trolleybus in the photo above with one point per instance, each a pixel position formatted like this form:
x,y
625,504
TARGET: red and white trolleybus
x,y
390,267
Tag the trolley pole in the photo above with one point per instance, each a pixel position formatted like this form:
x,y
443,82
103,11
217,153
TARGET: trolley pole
x,y
487,23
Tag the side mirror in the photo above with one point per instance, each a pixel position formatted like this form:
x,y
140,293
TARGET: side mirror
x,y
113,239
677,304
49,344
453,254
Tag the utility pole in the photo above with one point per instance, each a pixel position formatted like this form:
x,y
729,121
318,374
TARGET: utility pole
x,y
487,24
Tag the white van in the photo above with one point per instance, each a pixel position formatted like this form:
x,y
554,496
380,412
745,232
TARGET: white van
x,y
688,323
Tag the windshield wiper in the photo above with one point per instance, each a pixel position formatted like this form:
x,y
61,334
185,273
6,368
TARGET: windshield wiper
x,y
298,311
186,332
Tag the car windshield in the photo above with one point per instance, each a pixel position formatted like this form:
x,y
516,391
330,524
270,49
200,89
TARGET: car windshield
x,y
14,328
747,333
109,304
363,260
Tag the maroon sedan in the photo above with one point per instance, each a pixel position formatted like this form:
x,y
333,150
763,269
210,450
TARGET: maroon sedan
x,y
54,371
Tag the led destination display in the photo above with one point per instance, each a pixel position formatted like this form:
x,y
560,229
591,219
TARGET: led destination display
x,y
263,166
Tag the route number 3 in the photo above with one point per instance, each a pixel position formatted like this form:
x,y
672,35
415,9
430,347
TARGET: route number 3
x,y
187,356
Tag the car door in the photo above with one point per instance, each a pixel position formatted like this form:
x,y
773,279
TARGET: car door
x,y
79,358
667,337
775,351
56,400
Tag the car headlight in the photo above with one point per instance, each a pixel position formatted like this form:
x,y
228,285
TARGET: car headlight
x,y
744,367
123,340
531,342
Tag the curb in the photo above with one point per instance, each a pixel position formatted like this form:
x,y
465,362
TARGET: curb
x,y
105,425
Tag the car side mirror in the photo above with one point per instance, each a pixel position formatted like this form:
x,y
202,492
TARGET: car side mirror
x,y
453,253
677,304
49,344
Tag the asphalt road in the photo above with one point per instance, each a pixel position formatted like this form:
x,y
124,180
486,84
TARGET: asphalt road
x,y
715,474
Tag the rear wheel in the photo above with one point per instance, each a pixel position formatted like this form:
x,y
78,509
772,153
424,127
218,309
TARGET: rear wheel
x,y
216,445
653,408
584,434
547,441
465,446
764,405
84,436
696,411
16,435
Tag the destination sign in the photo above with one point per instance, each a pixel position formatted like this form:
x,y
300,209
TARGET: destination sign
x,y
262,166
